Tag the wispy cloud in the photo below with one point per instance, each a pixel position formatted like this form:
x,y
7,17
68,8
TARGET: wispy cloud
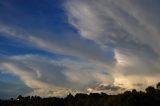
x,y
43,74
117,47
70,45
129,27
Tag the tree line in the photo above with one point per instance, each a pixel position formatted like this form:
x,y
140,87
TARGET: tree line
x,y
151,97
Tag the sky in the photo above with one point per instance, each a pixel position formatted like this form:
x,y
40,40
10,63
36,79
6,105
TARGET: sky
x,y
57,47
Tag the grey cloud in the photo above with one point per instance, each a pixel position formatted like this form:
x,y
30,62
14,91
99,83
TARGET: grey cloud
x,y
45,75
68,45
131,28
109,87
11,90
138,84
114,19
75,47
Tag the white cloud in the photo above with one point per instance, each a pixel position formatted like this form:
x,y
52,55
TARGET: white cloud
x,y
106,20
130,27
82,17
132,69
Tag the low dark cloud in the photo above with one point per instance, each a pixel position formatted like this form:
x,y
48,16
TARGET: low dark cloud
x,y
11,90
109,87
138,85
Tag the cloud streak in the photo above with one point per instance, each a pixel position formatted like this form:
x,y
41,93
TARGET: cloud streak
x,y
43,74
128,27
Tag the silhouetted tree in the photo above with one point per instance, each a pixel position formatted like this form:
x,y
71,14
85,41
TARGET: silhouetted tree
x,y
19,97
134,91
129,98
150,90
158,85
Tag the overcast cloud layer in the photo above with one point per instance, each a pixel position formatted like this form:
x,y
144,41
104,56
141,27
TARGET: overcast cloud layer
x,y
116,47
